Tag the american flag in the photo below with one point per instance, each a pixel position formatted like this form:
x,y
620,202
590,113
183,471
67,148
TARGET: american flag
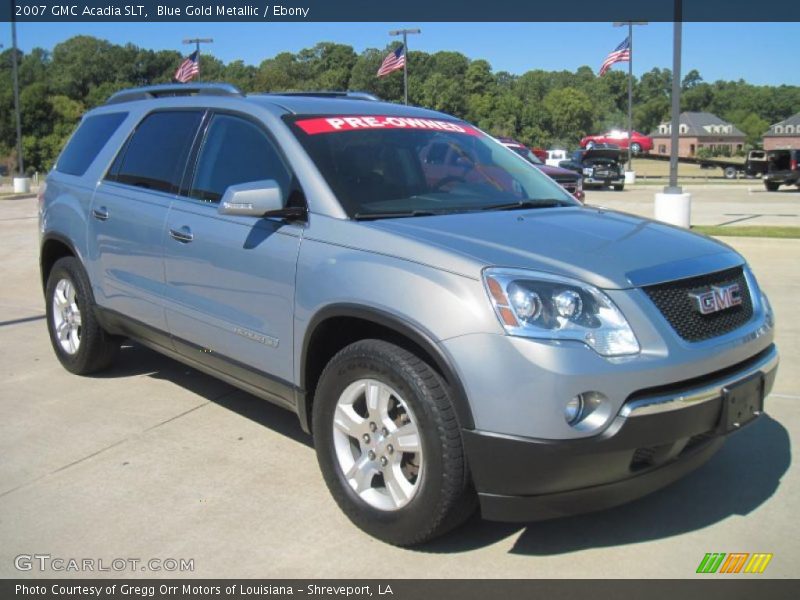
x,y
189,69
393,61
621,53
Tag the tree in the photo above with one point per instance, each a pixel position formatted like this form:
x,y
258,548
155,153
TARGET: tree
x,y
569,114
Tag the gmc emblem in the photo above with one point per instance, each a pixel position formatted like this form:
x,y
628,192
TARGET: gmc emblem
x,y
717,298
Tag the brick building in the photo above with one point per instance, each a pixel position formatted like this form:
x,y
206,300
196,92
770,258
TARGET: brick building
x,y
785,134
699,130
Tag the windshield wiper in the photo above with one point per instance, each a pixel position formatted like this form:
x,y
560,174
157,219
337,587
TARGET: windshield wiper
x,y
524,204
393,215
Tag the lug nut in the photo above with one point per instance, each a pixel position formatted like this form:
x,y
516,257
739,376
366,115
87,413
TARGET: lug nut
x,y
390,448
366,438
372,427
384,462
385,431
371,455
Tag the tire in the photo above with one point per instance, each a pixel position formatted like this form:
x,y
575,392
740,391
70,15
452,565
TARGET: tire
x,y
636,148
82,346
618,187
771,186
439,496
730,172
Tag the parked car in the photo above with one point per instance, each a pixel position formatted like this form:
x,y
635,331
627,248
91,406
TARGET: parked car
x,y
782,169
600,166
452,331
567,179
539,153
554,157
639,142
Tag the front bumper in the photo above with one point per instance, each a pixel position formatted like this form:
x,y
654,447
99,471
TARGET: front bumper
x,y
658,436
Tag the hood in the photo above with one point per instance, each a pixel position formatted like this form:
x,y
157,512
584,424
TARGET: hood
x,y
557,172
612,153
606,248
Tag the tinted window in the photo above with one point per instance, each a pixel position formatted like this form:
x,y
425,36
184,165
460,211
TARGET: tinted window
x,y
156,153
235,151
89,139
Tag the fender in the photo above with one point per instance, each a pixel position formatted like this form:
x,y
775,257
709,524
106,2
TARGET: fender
x,y
55,236
412,331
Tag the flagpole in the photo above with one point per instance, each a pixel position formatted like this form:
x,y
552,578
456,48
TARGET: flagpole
x,y
404,33
630,25
197,42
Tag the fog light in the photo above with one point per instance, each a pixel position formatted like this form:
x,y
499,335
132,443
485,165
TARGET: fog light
x,y
573,410
588,411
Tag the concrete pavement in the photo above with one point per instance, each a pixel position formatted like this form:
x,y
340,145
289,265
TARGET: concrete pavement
x,y
155,460
720,204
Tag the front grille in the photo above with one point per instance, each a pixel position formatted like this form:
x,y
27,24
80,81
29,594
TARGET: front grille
x,y
674,302
571,185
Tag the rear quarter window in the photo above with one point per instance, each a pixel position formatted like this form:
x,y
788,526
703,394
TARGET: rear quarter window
x,y
155,155
83,147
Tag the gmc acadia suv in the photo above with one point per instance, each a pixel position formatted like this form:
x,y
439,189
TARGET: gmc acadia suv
x,y
453,333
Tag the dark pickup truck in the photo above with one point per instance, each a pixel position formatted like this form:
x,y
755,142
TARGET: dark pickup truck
x,y
600,166
782,169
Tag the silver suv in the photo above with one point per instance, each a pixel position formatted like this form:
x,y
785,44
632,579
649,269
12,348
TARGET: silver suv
x,y
453,328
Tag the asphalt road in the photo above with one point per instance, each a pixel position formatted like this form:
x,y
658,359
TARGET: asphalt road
x,y
155,460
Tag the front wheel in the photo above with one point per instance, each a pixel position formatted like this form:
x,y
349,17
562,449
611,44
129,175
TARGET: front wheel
x,y
388,444
771,186
80,343
636,148
618,187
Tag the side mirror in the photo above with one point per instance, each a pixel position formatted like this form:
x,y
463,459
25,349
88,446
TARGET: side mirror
x,y
253,199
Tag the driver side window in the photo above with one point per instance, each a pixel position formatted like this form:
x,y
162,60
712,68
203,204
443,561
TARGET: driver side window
x,y
235,151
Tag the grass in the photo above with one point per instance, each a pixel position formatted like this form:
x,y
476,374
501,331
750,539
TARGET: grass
x,y
761,231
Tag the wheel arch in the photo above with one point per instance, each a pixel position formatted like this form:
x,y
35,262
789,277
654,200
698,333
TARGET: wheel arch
x,y
54,246
336,326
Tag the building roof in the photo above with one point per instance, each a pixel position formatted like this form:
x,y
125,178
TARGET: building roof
x,y
701,124
787,128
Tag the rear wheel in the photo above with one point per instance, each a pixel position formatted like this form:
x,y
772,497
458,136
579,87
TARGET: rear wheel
x,y
730,172
636,148
618,187
79,341
389,445
771,186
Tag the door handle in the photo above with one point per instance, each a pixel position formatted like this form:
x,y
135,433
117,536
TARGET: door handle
x,y
183,235
101,213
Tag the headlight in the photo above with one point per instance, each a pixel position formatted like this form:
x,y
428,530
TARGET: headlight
x,y
768,314
544,306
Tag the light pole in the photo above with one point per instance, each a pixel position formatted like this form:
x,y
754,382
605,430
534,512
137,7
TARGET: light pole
x,y
197,42
630,25
15,76
404,33
673,205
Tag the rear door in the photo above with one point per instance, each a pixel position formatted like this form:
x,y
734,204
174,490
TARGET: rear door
x,y
230,279
129,212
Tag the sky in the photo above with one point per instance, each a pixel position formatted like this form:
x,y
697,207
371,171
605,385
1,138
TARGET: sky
x,y
760,53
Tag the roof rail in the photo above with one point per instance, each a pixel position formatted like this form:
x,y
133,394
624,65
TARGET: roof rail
x,y
174,89
330,94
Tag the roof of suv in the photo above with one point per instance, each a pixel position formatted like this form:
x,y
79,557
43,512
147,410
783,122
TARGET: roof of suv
x,y
301,103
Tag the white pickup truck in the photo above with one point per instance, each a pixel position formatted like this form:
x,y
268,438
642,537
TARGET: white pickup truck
x,y
556,156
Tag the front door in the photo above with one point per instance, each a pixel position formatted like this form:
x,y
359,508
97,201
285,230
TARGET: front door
x,y
231,279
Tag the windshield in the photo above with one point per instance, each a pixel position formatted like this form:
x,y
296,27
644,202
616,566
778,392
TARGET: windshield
x,y
400,166
527,154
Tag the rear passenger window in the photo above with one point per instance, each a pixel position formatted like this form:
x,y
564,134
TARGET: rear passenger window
x,y
86,143
155,155
235,151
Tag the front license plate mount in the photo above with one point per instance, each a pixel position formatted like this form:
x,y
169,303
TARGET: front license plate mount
x,y
742,402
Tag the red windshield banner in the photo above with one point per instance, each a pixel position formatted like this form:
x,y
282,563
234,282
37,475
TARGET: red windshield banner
x,y
352,123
